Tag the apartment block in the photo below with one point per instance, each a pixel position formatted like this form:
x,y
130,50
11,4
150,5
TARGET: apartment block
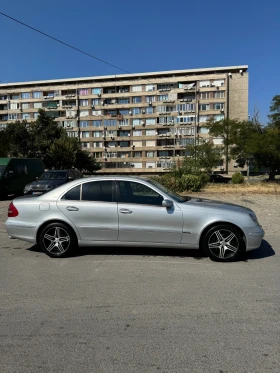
x,y
134,123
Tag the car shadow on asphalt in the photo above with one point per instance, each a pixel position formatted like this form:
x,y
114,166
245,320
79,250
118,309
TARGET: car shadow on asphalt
x,y
264,251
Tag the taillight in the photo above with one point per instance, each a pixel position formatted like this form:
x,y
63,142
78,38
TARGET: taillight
x,y
12,211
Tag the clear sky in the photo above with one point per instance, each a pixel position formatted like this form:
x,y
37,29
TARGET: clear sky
x,y
143,36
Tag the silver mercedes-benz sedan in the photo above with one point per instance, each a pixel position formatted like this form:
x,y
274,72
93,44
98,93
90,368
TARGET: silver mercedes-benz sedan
x,y
131,211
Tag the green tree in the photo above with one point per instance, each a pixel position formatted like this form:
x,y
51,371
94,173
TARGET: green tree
x,y
274,115
4,144
62,154
19,139
224,129
85,162
202,157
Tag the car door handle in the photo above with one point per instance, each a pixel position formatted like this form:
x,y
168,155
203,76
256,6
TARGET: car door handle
x,y
125,211
72,208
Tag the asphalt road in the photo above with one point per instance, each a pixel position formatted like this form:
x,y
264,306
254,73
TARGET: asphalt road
x,y
126,311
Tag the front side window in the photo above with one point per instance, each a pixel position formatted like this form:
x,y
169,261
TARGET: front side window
x,y
132,192
100,191
73,194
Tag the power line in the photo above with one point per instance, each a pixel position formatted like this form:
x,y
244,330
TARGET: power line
x,y
62,42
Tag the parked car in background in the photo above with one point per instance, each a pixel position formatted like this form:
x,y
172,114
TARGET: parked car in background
x,y
133,212
15,173
50,180
215,178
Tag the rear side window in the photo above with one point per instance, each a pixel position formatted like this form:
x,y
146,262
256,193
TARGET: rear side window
x,y
73,194
101,191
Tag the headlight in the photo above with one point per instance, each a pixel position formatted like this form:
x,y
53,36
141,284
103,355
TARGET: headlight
x,y
27,188
254,218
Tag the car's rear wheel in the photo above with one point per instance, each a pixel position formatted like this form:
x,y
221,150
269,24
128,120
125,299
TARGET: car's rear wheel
x,y
57,240
223,243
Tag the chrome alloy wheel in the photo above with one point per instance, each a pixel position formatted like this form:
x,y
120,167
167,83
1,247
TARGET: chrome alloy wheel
x,y
56,240
223,244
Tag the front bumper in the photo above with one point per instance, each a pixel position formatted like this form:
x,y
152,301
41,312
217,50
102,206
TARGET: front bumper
x,y
254,236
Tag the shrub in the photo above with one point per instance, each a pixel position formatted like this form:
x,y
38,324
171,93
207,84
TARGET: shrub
x,y
237,178
188,182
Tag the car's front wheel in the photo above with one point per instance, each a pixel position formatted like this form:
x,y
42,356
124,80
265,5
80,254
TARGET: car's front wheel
x,y
57,240
223,243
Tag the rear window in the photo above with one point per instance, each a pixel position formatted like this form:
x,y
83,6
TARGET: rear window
x,y
101,191
73,194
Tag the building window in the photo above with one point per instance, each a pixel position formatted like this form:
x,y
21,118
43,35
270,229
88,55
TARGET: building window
x,y
150,121
219,83
97,144
96,101
83,92
124,111
97,155
25,95
137,99
162,98
85,144
14,106
150,154
25,106
124,144
96,91
219,106
186,119
110,122
97,123
203,118
72,134
151,143
36,115
25,116
137,154
203,130
204,107
150,87
137,133
38,105
218,117
84,113
204,83
151,132
84,123
15,97
37,94
96,113
204,95
124,122
122,101
97,133
136,122
83,102
85,134
219,94
149,110
136,110
136,88
149,99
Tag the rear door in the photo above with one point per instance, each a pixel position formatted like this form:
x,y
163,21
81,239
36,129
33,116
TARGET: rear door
x,y
92,208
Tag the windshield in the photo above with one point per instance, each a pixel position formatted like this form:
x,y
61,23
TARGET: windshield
x,y
2,169
173,195
53,176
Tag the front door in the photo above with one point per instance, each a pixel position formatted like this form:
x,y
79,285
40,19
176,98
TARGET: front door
x,y
93,210
142,218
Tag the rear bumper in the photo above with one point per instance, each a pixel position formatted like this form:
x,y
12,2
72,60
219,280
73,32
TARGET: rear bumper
x,y
254,237
21,231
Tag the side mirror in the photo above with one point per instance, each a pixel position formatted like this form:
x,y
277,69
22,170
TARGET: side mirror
x,y
167,203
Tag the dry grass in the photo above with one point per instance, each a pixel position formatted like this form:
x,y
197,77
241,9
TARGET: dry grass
x,y
250,188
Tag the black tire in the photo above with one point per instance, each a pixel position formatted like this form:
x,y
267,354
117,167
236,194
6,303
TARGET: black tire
x,y
57,240
223,243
